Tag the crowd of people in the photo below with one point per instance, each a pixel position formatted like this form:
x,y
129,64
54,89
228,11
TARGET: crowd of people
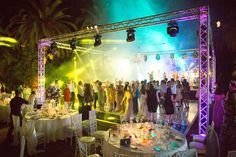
x,y
129,98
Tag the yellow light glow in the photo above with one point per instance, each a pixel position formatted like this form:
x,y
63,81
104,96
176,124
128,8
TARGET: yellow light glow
x,y
8,39
4,44
91,41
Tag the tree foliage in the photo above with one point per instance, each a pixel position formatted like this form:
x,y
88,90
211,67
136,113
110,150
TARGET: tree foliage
x,y
34,20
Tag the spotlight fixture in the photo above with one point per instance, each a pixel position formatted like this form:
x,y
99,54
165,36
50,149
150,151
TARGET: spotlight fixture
x,y
97,41
195,54
172,56
145,58
73,44
130,35
184,55
158,57
53,48
172,28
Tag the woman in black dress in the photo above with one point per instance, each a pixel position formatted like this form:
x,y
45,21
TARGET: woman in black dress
x,y
152,102
168,103
88,95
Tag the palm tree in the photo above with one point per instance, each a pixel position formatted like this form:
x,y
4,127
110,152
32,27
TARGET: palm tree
x,y
92,14
40,19
35,20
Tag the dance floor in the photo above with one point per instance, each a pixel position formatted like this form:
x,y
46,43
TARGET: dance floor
x,y
182,120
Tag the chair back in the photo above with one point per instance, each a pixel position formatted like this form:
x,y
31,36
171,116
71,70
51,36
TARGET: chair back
x,y
186,153
92,121
77,122
22,146
212,144
92,115
83,148
120,155
231,153
16,124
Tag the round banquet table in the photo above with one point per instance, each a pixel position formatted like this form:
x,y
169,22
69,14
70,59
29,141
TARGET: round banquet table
x,y
53,128
4,113
111,144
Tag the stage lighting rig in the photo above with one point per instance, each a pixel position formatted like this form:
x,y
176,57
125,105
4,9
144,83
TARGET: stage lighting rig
x,y
173,28
172,56
97,41
73,44
130,35
158,57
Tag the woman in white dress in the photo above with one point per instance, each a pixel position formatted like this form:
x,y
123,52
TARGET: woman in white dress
x,y
143,102
128,101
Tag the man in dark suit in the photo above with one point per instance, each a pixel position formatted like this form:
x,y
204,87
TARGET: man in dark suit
x,y
15,105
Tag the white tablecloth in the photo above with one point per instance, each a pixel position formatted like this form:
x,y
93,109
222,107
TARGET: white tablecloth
x,y
52,128
109,147
4,113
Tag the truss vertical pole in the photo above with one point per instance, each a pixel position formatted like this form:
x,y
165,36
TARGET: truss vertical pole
x,y
203,70
213,66
41,73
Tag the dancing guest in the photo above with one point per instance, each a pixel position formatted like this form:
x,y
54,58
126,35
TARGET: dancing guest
x,y
179,96
186,93
119,96
67,96
128,102
80,94
173,87
88,94
143,101
168,102
218,109
111,93
56,92
152,102
95,93
163,92
135,98
101,96
72,94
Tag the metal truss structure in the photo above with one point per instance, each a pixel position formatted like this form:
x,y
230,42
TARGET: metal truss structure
x,y
204,70
200,13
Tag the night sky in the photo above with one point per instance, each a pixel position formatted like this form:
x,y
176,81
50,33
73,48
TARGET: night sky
x,y
219,10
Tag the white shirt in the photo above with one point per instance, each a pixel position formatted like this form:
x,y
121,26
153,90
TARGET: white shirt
x,y
81,90
173,88
72,87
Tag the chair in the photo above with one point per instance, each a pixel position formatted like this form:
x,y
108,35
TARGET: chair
x,y
86,123
120,155
75,129
98,134
202,138
187,153
16,131
201,146
84,149
22,146
211,148
231,153
41,139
